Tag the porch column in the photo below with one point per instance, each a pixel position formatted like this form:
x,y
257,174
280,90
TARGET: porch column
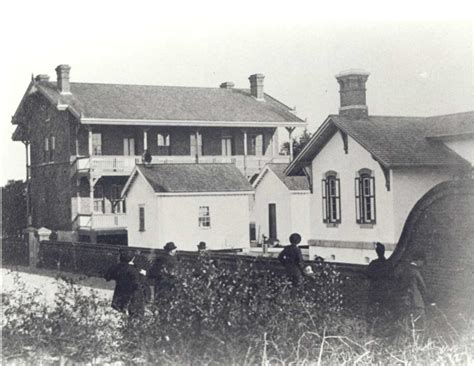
x,y
91,194
90,142
245,152
78,196
145,140
290,132
275,144
28,210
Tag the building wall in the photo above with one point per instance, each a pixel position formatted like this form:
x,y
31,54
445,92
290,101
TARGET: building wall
x,y
292,209
50,186
175,218
333,158
409,185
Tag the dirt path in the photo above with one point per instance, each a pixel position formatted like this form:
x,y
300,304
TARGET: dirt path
x,y
46,281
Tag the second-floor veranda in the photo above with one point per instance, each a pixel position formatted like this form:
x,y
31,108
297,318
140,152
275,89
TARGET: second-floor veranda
x,y
114,150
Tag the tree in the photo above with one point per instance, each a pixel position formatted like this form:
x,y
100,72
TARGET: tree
x,y
13,209
298,144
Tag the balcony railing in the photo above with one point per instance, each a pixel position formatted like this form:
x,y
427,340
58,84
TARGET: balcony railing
x,y
123,165
100,221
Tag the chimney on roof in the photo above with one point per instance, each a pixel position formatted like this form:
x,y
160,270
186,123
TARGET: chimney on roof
x,y
352,93
256,86
62,72
42,77
227,85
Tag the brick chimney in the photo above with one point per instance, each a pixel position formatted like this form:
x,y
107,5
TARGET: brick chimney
x,y
42,78
62,72
256,86
227,85
352,93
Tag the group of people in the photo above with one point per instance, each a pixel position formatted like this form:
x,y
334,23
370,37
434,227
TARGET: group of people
x,y
397,293
132,288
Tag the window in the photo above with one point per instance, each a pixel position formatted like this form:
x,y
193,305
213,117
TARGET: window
x,y
331,199
365,197
164,144
163,139
256,145
118,204
52,148
204,217
99,204
46,149
195,144
96,144
129,146
227,144
141,217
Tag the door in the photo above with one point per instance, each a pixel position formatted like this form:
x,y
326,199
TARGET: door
x,y
272,223
129,147
195,142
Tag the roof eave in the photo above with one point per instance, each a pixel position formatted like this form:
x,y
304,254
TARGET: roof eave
x,y
197,123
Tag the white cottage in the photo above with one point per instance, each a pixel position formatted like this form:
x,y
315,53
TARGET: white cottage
x,y
367,172
186,204
281,204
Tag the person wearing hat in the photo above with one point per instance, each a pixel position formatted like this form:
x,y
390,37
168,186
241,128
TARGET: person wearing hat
x,y
163,272
202,247
127,282
379,274
292,259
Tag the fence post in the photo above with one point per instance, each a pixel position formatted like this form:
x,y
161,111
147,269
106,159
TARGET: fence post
x,y
33,246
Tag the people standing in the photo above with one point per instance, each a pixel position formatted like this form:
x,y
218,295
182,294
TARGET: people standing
x,y
415,292
292,259
378,272
127,279
163,272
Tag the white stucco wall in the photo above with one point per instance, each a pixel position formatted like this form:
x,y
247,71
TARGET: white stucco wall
x,y
333,158
463,147
292,209
409,185
175,218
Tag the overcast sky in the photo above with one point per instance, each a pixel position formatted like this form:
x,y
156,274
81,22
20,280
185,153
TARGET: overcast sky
x,y
421,62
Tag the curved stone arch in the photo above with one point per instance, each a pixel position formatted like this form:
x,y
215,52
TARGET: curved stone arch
x,y
441,224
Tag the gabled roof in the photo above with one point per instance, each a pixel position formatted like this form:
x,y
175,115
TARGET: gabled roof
x,y
192,178
293,183
393,141
142,104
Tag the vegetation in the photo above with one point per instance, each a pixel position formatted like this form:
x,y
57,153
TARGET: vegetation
x,y
13,201
298,143
219,316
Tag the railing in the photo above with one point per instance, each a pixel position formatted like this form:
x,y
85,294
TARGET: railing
x,y
123,165
100,221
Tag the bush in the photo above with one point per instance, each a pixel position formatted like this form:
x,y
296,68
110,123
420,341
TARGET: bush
x,y
217,315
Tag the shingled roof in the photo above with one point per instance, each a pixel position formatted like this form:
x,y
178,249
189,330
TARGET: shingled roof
x,y
194,178
122,103
394,141
293,183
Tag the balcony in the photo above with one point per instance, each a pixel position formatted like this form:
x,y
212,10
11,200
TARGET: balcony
x,y
100,222
123,165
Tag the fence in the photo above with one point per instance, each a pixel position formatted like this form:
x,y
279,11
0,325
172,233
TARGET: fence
x,y
95,259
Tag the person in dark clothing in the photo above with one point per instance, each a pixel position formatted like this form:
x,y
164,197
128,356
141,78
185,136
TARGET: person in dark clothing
x,y
127,281
163,272
415,292
292,258
378,272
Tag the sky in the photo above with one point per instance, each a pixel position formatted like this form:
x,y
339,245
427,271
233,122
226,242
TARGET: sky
x,y
420,56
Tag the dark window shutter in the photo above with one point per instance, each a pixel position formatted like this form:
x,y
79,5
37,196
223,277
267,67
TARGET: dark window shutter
x,y
338,199
324,200
358,202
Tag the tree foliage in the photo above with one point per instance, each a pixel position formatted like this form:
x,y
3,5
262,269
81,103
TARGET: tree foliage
x,y
13,209
298,143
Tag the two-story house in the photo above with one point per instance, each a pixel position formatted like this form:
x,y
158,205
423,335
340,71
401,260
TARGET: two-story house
x,y
367,172
83,140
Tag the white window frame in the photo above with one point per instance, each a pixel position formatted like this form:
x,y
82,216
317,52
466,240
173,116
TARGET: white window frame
x,y
163,139
204,219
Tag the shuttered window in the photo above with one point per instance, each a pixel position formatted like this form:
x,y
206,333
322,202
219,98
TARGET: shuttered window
x,y
331,200
365,199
